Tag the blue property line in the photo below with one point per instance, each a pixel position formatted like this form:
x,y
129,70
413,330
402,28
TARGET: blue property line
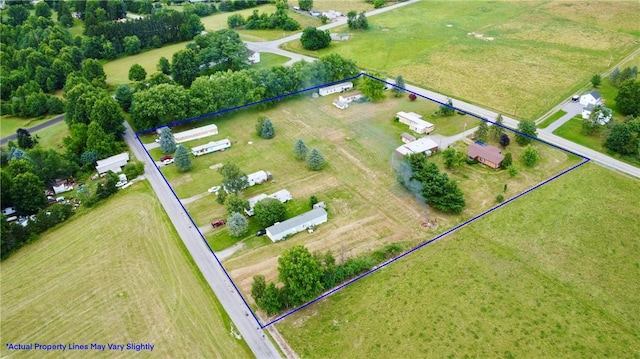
x,y
176,123
201,235
425,243
376,268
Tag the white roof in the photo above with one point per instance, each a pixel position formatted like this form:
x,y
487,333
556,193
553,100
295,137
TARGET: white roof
x,y
417,146
341,85
252,177
196,131
211,144
282,195
290,223
255,199
113,163
410,115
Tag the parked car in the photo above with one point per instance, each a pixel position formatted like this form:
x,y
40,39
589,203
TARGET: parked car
x,y
261,232
167,157
575,98
218,223
167,161
214,189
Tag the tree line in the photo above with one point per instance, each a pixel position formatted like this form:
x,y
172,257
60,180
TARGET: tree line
x,y
256,21
162,103
305,275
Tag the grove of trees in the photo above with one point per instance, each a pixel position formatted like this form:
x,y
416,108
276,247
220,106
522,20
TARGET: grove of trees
x,y
315,39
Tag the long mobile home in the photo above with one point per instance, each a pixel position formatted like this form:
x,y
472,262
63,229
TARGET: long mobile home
x,y
211,147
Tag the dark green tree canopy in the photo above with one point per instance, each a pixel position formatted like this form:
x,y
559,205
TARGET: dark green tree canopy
x,y
315,161
233,180
527,130
300,274
315,39
182,158
167,141
628,98
269,211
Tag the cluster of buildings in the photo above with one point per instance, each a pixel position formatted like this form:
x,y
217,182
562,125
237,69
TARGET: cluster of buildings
x,y
590,101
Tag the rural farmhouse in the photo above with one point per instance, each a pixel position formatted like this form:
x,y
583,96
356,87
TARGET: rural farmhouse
x,y
487,155
297,224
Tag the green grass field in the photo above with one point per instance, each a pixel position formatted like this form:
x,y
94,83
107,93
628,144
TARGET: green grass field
x,y
572,131
367,208
117,71
519,58
553,274
268,60
51,137
551,119
116,274
10,124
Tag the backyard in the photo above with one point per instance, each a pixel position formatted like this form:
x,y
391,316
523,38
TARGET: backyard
x,y
545,276
518,58
367,208
116,274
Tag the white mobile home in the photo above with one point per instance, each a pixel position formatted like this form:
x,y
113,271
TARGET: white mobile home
x,y
422,145
211,147
113,163
297,224
282,195
415,122
196,133
258,177
252,203
350,96
335,88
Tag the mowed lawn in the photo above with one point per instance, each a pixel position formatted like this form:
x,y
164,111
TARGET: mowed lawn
x,y
518,58
553,274
116,274
10,124
367,207
117,71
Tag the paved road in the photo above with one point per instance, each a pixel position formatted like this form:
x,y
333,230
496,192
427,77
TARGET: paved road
x,y
33,129
571,109
206,261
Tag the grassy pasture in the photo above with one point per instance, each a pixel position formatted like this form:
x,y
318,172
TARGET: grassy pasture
x,y
118,274
538,55
117,71
367,208
546,276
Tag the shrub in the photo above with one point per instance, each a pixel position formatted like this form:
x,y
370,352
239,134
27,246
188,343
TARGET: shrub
x,y
499,198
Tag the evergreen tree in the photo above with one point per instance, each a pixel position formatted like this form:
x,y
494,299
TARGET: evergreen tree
x,y
124,96
482,131
315,161
300,150
164,66
182,158
167,141
400,83
237,225
496,131
268,131
526,131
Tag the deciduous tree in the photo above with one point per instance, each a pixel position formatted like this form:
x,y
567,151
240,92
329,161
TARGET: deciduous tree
x,y
28,196
372,88
269,211
530,156
137,73
182,158
234,203
300,274
233,180
628,98
397,92
164,66
526,131
184,67
504,140
596,80
305,5
315,39
237,224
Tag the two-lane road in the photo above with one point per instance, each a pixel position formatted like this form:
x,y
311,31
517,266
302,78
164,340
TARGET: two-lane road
x,y
206,261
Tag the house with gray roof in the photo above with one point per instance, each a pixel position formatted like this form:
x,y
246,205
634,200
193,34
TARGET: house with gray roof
x,y
297,224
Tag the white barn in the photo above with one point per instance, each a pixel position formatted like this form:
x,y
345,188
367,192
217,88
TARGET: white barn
x,y
335,88
297,224
211,147
415,122
113,163
196,133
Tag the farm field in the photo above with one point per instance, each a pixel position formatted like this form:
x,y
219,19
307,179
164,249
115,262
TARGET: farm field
x,y
118,274
367,208
518,58
545,276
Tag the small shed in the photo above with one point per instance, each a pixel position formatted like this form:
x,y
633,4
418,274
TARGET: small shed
x,y
339,37
253,57
406,138
488,155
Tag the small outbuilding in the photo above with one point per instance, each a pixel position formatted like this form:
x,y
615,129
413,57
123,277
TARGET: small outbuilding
x,y
113,163
297,224
342,87
339,37
415,122
253,57
488,155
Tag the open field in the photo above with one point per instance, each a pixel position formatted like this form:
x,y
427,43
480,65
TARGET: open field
x,y
545,276
10,124
367,208
518,58
117,71
116,274
51,137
